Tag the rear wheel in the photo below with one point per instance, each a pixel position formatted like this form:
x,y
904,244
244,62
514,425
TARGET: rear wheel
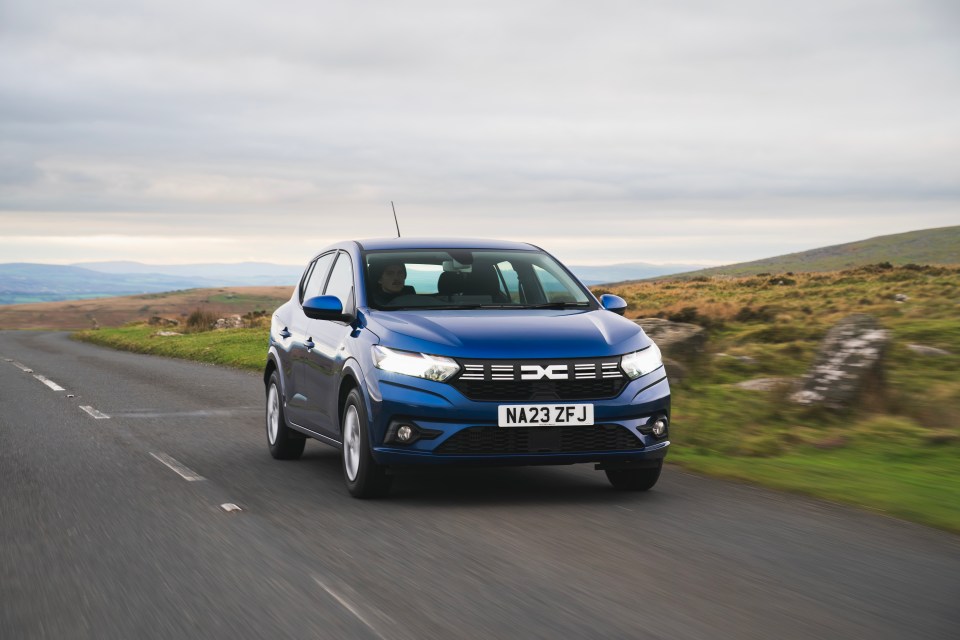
x,y
363,476
641,479
284,442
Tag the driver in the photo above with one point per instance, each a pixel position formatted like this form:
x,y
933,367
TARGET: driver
x,y
391,283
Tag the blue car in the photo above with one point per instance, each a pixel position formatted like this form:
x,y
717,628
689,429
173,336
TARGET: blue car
x,y
461,352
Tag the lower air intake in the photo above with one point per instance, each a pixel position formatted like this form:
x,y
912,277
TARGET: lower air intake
x,y
498,441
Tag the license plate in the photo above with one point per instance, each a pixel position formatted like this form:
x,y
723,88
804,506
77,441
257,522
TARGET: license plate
x,y
544,415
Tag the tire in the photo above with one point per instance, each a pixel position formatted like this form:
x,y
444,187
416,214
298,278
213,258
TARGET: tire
x,y
641,479
363,476
284,442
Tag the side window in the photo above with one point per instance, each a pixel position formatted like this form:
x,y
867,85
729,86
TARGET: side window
x,y
510,278
315,280
341,280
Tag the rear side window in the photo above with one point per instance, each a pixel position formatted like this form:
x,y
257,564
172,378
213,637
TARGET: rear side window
x,y
318,275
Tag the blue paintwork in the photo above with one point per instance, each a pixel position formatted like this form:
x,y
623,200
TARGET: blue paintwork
x,y
385,244
613,303
516,334
323,307
334,354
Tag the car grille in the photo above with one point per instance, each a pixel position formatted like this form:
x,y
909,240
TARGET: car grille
x,y
569,439
525,380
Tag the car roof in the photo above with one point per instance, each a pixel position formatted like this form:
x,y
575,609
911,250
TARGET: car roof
x,y
378,244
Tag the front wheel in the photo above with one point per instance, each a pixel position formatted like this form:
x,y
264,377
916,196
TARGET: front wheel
x,y
641,479
363,476
284,442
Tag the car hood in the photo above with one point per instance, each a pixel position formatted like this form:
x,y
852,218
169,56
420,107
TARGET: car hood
x,y
511,334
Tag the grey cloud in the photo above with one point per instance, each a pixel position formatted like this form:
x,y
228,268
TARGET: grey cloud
x,y
205,111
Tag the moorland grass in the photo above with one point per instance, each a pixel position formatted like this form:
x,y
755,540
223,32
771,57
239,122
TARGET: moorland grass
x,y
897,452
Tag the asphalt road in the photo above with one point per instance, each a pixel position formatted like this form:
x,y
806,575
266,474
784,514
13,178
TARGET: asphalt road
x,y
100,537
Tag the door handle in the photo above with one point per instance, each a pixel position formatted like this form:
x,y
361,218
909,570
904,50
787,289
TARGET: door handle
x,y
309,344
285,333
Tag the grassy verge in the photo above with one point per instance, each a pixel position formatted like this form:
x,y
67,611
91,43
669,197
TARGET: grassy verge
x,y
915,484
240,348
898,452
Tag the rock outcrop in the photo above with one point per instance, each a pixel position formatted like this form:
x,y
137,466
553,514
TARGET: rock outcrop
x,y
233,322
849,360
765,384
681,343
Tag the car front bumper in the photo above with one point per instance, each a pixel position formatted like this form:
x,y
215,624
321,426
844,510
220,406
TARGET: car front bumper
x,y
442,412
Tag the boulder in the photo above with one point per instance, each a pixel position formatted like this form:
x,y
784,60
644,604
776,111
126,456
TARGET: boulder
x,y
681,343
849,360
765,384
233,322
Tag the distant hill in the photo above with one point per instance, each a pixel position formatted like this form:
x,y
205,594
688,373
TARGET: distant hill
x,y
627,271
927,246
267,274
236,274
115,312
25,283
22,282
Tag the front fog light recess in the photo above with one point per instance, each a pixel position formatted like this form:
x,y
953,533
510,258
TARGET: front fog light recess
x,y
658,425
406,432
402,432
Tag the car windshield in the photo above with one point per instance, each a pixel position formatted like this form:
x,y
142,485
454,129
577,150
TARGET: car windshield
x,y
470,279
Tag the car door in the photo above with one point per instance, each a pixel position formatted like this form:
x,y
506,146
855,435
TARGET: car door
x,y
325,359
298,390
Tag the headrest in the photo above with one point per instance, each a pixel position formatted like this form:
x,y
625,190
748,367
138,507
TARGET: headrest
x,y
450,282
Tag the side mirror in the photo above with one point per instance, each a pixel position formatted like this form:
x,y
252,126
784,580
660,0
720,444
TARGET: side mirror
x,y
613,303
325,308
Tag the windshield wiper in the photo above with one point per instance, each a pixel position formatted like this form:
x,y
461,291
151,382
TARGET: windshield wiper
x,y
432,307
557,305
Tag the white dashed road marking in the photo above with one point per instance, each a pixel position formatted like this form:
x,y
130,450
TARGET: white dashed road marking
x,y
50,383
184,472
22,367
349,607
229,506
94,413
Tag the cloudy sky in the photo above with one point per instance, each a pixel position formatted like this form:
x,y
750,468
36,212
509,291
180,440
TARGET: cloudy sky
x,y
689,131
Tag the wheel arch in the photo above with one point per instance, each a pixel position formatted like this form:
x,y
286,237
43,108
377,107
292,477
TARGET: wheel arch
x,y
273,365
268,370
352,377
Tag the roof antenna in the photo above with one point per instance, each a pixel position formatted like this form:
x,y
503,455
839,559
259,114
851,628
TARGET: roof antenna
x,y
395,218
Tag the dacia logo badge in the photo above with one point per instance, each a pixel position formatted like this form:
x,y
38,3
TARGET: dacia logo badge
x,y
536,372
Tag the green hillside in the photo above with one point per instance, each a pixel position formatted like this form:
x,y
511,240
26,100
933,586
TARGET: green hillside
x,y
896,451
927,246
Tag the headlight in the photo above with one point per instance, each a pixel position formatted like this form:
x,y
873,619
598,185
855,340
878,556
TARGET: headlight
x,y
640,363
420,365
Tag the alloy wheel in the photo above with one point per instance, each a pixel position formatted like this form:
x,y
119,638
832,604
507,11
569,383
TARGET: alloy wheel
x,y
273,414
351,442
